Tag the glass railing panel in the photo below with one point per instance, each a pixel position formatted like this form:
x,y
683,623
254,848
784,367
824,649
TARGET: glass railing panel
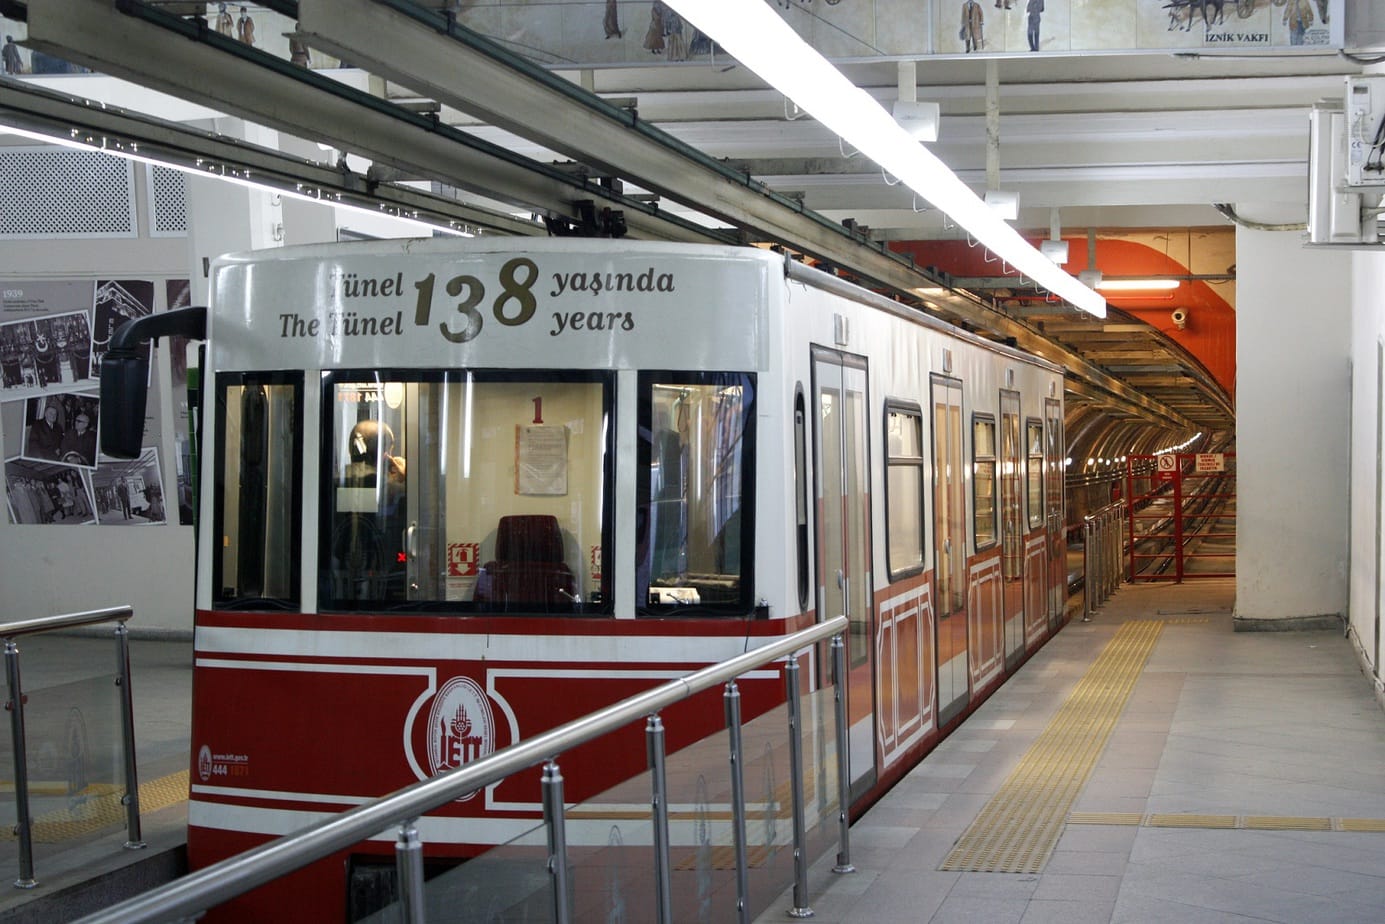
x,y
611,858
75,765
768,801
821,779
508,884
702,846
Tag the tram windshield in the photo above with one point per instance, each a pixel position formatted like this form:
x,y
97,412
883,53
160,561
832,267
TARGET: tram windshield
x,y
697,434
465,491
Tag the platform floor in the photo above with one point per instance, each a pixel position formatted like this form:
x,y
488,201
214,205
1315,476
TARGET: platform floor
x,y
1151,765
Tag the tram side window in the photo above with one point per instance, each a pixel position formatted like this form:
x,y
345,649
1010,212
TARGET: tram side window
x,y
259,471
1034,441
983,483
904,482
467,492
694,501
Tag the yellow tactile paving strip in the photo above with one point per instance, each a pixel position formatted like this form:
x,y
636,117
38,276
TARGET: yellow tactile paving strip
x,y
1018,829
1237,822
99,809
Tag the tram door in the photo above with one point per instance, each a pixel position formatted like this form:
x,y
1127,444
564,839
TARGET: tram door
x,y
950,547
844,577
1012,525
425,518
1053,511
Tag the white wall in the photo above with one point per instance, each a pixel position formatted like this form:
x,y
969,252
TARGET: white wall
x,y
47,570
1293,339
1368,332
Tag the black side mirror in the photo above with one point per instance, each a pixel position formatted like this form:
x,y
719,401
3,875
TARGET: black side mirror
x,y
125,376
124,394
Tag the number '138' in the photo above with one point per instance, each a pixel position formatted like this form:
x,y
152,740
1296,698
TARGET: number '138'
x,y
512,307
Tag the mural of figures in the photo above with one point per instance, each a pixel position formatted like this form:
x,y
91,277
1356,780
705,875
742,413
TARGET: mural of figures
x,y
13,63
654,35
224,23
973,21
1183,14
611,21
1033,11
674,43
585,33
1298,16
298,52
245,27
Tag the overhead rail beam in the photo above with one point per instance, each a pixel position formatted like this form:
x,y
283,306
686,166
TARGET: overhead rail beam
x,y
243,81
431,53
237,79
1019,282
125,133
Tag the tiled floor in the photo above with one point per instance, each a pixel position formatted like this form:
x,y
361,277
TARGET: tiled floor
x,y
1249,729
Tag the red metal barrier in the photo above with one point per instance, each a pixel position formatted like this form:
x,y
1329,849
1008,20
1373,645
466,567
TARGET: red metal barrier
x,y
1181,510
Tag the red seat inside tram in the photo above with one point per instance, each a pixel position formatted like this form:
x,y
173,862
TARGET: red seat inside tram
x,y
528,567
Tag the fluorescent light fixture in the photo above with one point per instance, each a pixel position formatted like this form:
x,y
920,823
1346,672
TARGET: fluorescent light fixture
x,y
1004,204
228,173
1057,251
755,35
1129,285
918,119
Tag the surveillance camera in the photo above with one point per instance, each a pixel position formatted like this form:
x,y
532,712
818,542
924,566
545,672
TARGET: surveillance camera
x,y
1180,318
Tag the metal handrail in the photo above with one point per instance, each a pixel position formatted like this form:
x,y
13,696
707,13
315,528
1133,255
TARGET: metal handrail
x,y
239,874
64,621
1103,548
24,827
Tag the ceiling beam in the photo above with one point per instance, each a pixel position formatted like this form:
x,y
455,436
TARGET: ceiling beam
x,y
239,80
121,132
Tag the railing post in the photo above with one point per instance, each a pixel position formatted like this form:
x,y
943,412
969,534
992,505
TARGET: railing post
x,y
800,907
23,826
408,865
663,875
843,756
1102,538
1088,560
134,838
1121,538
732,701
553,818
1113,544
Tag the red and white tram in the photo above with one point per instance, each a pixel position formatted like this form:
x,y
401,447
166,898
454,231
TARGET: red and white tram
x,y
456,493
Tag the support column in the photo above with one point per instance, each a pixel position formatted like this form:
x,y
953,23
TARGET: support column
x,y
1293,344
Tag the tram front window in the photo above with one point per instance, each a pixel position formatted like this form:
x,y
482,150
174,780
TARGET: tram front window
x,y
257,488
694,511
466,492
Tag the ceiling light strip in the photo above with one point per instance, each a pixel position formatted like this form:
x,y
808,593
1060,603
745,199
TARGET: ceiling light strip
x,y
761,40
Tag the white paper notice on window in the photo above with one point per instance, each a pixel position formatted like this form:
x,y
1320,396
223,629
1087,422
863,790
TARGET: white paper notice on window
x,y
541,460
